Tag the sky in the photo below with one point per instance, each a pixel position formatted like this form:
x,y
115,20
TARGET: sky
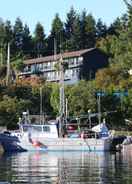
x,y
43,11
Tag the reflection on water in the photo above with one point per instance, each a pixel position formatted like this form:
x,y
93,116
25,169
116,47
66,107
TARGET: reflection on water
x,y
66,168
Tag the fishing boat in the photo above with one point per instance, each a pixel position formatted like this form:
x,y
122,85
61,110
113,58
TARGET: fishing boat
x,y
45,137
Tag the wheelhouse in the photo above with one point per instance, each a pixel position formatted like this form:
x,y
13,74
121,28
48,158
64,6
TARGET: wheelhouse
x,y
44,130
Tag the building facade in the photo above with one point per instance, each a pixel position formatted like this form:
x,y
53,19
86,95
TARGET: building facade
x,y
82,64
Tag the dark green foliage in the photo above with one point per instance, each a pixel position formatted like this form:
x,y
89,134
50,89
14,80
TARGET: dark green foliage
x,y
10,109
16,98
69,25
79,31
18,36
87,30
101,29
57,35
39,40
27,42
3,71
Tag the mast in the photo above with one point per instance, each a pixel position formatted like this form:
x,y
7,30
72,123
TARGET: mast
x,y
62,96
41,105
99,108
66,106
8,65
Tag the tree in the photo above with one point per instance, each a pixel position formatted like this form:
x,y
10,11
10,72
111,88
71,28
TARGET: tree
x,y
81,98
27,42
39,39
71,17
2,42
88,31
8,32
72,31
57,33
75,41
112,78
10,109
101,29
18,36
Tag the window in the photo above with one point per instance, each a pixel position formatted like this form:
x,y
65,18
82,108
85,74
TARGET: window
x,y
37,128
71,61
31,128
40,66
80,59
46,128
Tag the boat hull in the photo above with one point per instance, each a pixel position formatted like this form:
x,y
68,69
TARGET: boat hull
x,y
14,143
68,144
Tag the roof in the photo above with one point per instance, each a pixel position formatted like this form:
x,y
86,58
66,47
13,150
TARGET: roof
x,y
57,57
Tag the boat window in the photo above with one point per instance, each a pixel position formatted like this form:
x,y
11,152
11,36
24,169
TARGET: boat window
x,y
37,128
27,128
46,128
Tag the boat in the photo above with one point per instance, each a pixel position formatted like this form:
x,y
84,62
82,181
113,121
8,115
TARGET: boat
x,y
45,137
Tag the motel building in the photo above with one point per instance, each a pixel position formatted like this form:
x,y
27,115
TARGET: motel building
x,y
82,64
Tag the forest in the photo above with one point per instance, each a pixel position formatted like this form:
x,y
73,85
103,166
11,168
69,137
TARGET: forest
x,y
79,31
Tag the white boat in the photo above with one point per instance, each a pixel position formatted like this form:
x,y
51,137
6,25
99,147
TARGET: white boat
x,y
45,137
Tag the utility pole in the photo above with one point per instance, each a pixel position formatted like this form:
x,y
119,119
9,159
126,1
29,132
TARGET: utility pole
x,y
8,65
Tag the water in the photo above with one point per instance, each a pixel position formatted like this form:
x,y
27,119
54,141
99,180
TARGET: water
x,y
66,168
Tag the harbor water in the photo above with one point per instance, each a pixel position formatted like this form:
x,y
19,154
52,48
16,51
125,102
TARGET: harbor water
x,y
66,168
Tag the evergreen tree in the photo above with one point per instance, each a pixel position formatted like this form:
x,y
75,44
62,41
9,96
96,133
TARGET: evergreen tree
x,y
88,31
2,41
18,36
57,32
69,25
8,31
39,39
101,29
27,41
57,25
76,37
72,30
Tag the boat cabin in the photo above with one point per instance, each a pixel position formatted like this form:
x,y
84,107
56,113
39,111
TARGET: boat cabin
x,y
48,131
